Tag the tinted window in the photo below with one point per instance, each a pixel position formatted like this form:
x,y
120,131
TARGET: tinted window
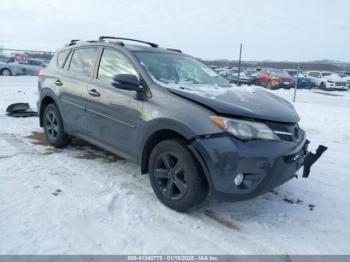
x,y
113,63
34,62
61,58
83,61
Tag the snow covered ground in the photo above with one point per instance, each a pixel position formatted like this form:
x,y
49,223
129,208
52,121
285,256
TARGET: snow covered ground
x,y
82,200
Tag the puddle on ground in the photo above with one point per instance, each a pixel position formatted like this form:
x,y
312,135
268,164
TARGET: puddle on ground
x,y
89,151
222,221
38,139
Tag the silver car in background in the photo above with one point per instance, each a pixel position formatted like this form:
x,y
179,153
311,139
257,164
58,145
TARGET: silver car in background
x,y
12,68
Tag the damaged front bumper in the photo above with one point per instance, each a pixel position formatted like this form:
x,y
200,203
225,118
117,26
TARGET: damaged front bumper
x,y
263,164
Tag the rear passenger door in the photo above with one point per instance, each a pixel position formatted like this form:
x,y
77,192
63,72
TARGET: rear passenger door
x,y
72,83
114,114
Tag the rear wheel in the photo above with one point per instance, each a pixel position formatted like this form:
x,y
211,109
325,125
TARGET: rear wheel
x,y
6,72
53,127
176,176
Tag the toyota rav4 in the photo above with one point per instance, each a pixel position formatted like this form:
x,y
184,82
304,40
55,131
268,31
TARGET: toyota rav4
x,y
191,130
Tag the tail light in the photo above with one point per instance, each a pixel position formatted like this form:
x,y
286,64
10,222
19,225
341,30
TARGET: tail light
x,y
42,72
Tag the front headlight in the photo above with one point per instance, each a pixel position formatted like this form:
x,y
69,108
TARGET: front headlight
x,y
245,130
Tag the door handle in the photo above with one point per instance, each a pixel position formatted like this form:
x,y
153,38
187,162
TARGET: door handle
x,y
58,83
93,92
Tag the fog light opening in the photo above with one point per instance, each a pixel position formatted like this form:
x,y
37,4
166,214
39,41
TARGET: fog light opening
x,y
239,178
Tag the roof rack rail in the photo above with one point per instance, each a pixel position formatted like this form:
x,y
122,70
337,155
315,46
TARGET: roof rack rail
x,y
73,42
174,50
127,39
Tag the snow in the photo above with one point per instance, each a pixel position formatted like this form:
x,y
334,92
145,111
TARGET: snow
x,y
81,200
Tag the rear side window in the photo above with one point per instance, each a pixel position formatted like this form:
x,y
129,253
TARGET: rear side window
x,y
61,58
114,63
83,60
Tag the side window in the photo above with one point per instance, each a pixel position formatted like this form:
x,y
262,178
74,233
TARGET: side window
x,y
113,63
61,58
83,60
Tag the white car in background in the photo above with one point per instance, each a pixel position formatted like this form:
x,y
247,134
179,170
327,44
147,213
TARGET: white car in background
x,y
327,80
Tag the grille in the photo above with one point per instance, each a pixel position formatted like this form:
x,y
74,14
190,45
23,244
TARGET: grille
x,y
286,132
340,84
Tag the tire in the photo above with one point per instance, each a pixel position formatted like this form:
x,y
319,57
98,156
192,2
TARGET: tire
x,y
176,176
323,86
53,127
6,72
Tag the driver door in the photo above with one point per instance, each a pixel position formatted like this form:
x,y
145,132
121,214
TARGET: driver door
x,y
114,115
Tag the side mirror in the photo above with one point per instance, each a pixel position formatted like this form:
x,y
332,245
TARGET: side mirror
x,y
127,82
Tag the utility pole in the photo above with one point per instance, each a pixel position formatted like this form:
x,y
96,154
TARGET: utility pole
x,y
239,64
296,84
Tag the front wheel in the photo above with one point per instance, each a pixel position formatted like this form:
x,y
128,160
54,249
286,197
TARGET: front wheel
x,y
53,127
176,176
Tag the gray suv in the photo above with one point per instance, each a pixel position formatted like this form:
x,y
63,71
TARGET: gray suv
x,y
191,130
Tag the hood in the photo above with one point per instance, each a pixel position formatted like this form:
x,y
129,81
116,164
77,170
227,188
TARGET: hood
x,y
250,102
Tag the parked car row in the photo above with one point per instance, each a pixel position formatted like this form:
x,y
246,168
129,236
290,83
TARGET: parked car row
x,y
272,78
245,77
11,67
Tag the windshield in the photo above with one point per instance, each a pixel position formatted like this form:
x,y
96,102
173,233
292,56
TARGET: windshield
x,y
326,74
180,70
279,72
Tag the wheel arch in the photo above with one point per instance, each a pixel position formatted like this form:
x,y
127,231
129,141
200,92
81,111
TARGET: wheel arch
x,y
46,98
165,134
6,68
152,139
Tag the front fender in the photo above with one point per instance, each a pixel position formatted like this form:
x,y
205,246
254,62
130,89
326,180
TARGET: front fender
x,y
160,124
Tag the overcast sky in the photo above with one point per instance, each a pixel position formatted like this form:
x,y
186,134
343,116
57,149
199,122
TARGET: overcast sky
x,y
295,30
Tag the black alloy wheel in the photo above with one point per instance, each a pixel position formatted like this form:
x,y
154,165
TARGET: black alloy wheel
x,y
51,125
170,176
176,176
